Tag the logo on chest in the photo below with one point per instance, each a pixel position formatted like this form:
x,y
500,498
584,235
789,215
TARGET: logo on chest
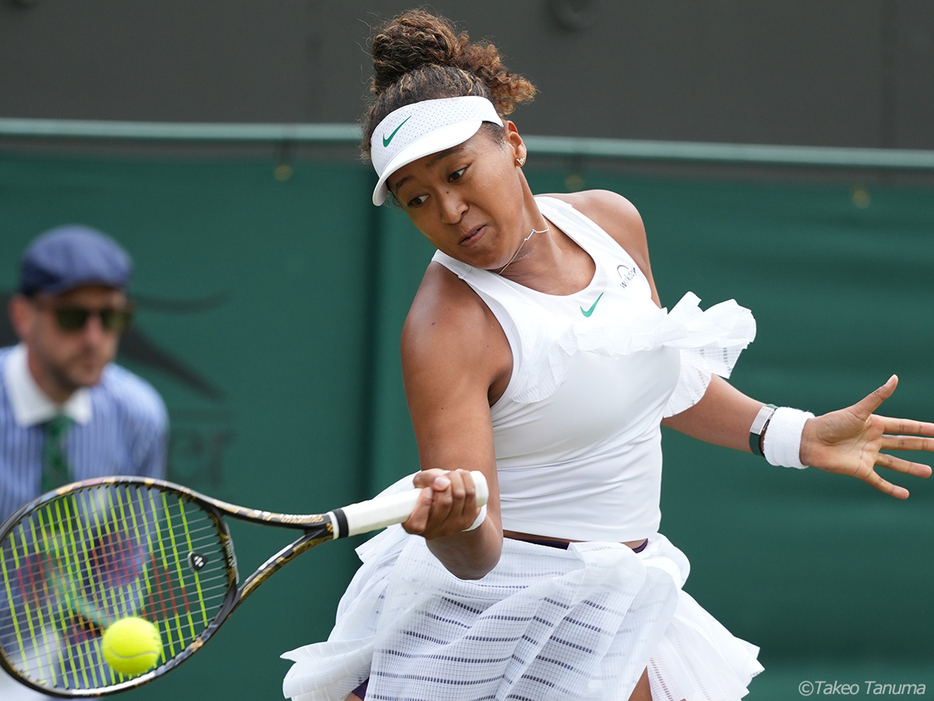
x,y
593,306
626,273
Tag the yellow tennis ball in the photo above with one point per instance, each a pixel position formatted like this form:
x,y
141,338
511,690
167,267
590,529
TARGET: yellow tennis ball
x,y
132,646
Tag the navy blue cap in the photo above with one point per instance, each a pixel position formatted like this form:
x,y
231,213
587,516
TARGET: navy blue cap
x,y
71,256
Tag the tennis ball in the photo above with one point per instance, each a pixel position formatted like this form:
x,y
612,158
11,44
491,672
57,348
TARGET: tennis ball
x,y
132,646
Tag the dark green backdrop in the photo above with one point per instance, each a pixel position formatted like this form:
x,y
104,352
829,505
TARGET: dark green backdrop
x,y
269,319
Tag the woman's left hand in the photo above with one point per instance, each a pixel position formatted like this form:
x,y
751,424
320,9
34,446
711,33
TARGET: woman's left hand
x,y
849,442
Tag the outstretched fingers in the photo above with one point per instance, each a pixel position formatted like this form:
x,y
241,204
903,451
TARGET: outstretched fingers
x,y
906,434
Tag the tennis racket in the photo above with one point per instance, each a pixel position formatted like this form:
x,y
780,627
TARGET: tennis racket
x,y
78,559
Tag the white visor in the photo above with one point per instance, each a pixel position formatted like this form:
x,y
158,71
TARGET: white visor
x,y
423,128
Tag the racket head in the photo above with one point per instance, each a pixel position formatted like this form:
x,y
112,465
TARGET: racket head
x,y
76,560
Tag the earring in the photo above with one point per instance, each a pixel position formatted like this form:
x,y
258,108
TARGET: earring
x,y
521,161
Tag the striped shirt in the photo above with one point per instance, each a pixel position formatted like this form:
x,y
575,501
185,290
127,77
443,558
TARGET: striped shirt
x,y
121,427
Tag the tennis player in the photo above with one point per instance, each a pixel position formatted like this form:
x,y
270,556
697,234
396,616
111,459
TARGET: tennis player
x,y
537,351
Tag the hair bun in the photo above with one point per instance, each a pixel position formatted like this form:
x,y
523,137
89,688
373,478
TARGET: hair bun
x,y
418,56
412,40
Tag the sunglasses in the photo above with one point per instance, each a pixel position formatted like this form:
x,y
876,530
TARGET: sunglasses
x,y
113,319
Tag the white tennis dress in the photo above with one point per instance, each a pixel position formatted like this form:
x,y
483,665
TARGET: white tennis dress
x,y
578,451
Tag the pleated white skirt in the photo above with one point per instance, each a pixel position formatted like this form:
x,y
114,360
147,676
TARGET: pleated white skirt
x,y
546,623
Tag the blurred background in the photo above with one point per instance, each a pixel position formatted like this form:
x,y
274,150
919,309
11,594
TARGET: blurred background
x,y
781,153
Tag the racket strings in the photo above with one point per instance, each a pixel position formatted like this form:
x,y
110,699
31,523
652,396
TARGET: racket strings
x,y
89,558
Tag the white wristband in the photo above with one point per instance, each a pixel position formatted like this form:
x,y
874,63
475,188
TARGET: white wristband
x,y
782,441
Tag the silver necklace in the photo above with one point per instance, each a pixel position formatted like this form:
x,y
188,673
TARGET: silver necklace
x,y
533,231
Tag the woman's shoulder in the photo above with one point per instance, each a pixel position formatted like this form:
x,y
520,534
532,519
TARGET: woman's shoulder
x,y
445,311
450,330
609,210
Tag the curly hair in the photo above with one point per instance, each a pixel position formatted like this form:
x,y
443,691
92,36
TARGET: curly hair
x,y
418,56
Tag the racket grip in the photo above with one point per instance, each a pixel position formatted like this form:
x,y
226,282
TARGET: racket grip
x,y
380,512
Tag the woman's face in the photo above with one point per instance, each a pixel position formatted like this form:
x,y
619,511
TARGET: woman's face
x,y
470,200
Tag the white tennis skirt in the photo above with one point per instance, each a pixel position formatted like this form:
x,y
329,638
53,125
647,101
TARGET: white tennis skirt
x,y
546,623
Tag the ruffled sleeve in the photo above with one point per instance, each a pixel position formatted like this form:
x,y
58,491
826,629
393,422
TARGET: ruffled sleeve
x,y
710,342
711,345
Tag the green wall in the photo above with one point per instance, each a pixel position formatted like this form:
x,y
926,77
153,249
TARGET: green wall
x,y
269,319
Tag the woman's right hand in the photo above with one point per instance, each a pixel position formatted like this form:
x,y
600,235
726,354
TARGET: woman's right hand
x,y
447,505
